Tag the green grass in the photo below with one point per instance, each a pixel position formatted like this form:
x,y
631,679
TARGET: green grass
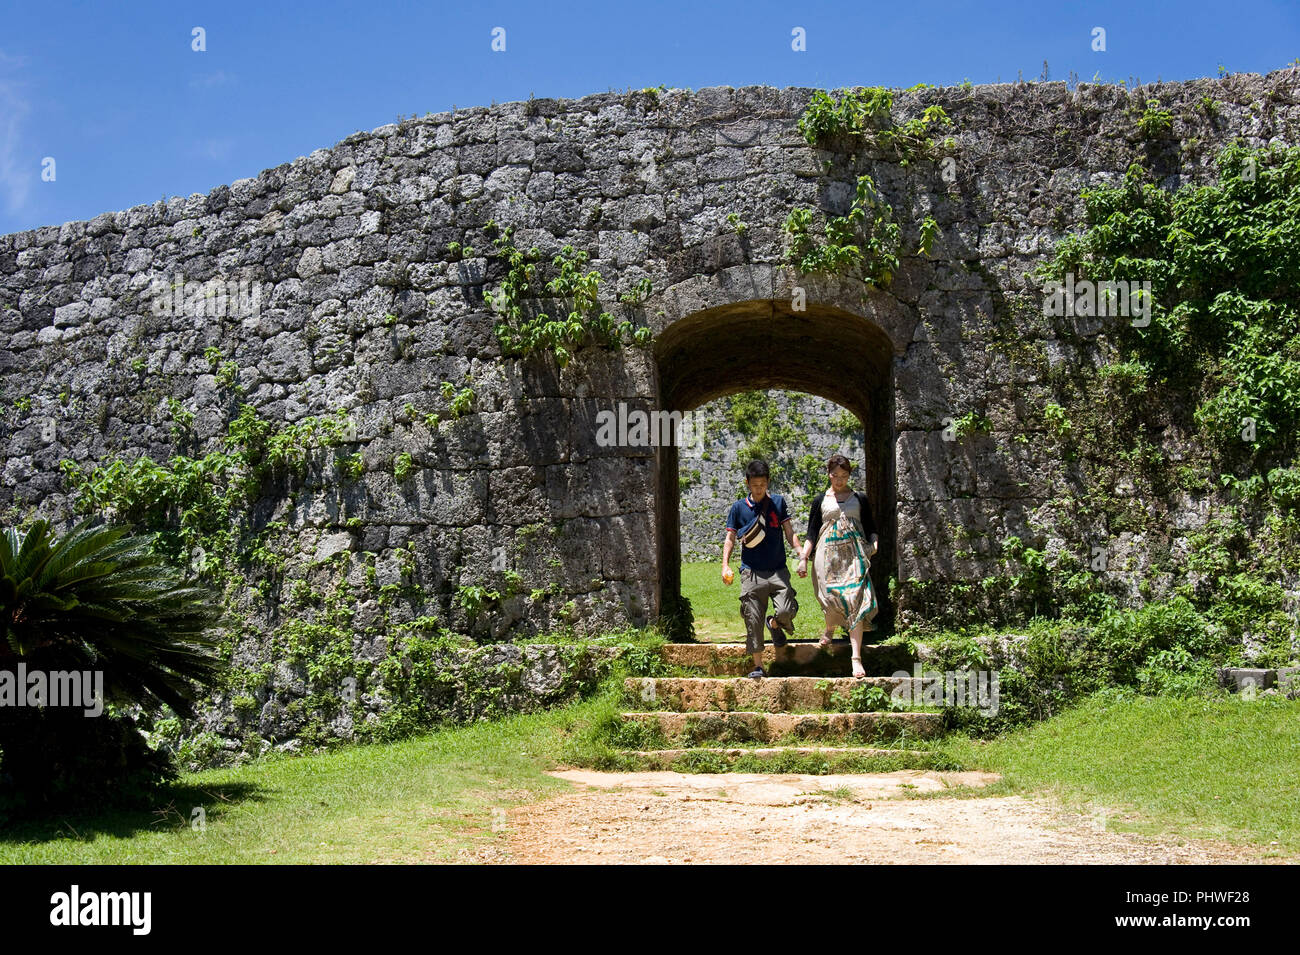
x,y
644,637
717,606
710,760
839,793
422,799
1217,767
644,736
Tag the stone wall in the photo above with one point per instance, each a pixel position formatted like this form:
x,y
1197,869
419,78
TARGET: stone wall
x,y
367,308
472,684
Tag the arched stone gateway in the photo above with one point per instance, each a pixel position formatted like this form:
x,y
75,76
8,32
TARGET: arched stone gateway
x,y
825,338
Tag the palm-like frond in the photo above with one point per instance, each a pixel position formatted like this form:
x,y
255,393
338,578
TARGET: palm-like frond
x,y
98,599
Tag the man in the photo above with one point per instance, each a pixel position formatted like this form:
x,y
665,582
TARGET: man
x,y
763,573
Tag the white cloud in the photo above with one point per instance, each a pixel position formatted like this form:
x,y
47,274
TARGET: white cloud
x,y
16,176
218,148
206,81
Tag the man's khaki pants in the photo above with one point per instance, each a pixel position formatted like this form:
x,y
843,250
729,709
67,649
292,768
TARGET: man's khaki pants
x,y
756,587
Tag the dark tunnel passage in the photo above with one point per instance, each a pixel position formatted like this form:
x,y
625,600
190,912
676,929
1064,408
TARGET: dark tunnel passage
x,y
760,345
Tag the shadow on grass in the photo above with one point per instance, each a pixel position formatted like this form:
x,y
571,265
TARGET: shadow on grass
x,y
173,807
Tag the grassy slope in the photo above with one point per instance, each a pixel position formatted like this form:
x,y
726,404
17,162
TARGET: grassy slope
x,y
1213,768
419,800
1222,768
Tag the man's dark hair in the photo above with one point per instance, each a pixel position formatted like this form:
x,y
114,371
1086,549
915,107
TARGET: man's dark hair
x,y
838,461
756,468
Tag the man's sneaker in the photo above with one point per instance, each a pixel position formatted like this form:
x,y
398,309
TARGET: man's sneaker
x,y
757,673
778,635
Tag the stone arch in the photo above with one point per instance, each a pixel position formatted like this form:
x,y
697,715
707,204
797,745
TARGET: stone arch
x,y
715,339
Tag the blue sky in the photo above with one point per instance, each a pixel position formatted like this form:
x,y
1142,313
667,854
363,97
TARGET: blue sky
x,y
114,93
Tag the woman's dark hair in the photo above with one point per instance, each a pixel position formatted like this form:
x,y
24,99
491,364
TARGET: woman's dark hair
x,y
756,468
838,461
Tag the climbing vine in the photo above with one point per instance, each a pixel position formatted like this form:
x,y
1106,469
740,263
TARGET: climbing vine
x,y
864,115
1219,345
198,510
1224,265
194,505
522,329
866,242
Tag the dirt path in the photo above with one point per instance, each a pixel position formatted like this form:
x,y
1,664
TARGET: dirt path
x,y
667,817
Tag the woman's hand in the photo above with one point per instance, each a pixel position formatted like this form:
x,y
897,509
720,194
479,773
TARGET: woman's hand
x,y
875,546
802,567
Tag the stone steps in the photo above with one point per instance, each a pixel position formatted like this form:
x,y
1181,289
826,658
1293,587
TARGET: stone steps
x,y
699,720
752,727
794,659
783,759
770,695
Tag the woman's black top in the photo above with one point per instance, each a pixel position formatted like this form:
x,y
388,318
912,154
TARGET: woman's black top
x,y
815,519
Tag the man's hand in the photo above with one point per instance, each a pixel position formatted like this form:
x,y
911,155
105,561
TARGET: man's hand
x,y
801,568
727,546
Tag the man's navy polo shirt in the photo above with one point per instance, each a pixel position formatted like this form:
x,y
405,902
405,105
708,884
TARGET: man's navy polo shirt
x,y
770,553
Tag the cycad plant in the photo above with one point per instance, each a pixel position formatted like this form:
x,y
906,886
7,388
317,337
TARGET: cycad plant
x,y
98,599
95,600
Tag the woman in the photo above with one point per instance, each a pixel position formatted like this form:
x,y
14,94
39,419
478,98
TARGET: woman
x,y
843,534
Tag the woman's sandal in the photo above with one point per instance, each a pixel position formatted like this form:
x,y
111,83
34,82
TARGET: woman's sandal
x,y
858,671
825,641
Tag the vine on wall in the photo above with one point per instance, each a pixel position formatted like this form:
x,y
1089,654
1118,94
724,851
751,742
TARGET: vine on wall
x,y
863,117
523,329
866,242
1219,359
